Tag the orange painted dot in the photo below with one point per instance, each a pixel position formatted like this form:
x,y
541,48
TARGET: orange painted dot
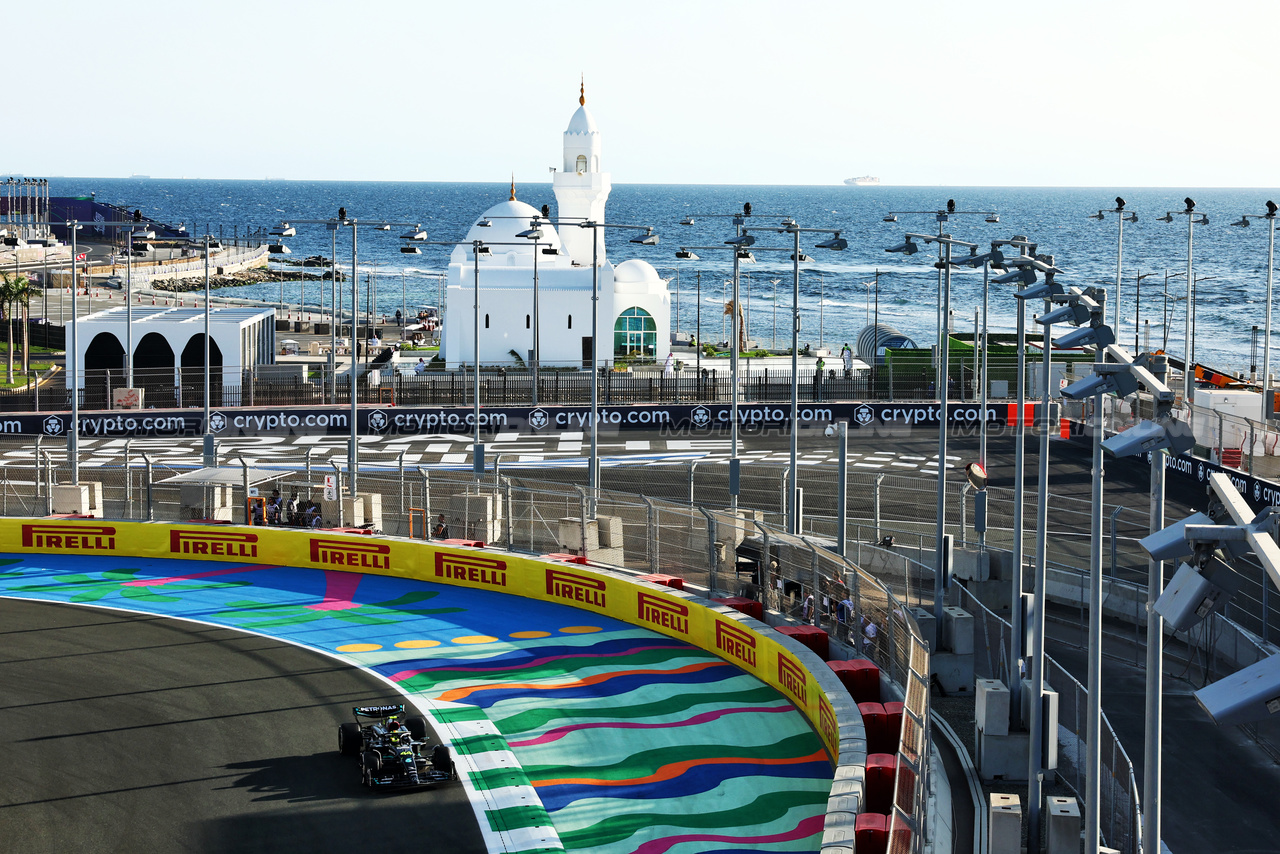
x,y
476,639
359,647
531,634
417,644
580,630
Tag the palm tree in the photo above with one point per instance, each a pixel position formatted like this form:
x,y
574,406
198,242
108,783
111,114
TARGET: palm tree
x,y
14,290
739,328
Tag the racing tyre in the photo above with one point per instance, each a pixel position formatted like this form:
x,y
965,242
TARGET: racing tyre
x,y
349,739
441,760
417,726
370,766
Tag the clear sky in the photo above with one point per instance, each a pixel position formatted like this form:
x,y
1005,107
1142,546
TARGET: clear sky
x,y
1109,93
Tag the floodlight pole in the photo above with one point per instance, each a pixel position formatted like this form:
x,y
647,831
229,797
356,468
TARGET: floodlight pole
x,y
1152,753
944,346
1093,757
206,336
73,359
1035,771
793,517
477,450
128,313
353,446
735,471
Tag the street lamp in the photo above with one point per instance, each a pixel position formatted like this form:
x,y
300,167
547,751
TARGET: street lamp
x,y
534,233
1121,218
1158,437
646,239
1268,406
1193,219
944,346
145,234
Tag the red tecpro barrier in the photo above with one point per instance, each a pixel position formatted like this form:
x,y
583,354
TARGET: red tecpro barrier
x,y
893,723
881,768
860,677
750,607
877,725
811,636
475,544
871,833
567,558
674,581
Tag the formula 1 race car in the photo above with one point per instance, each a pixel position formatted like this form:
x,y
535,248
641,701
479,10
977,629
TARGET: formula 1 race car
x,y
393,749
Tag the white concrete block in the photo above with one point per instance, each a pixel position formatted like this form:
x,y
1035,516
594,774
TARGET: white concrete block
x,y
957,630
1003,757
1004,824
991,706
1064,825
71,499
1051,722
372,509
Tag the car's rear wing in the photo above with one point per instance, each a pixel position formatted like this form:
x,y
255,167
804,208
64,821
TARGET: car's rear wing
x,y
378,711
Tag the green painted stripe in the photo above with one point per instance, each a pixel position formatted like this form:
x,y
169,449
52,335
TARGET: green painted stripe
x,y
766,808
472,745
498,778
514,818
647,762
535,720
441,679
456,714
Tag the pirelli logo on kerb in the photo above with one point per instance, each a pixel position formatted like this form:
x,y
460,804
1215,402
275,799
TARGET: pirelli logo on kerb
x,y
793,679
471,568
69,538
575,588
663,612
827,721
213,543
362,555
736,642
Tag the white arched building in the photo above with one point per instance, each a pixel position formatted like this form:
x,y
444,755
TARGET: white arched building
x,y
635,306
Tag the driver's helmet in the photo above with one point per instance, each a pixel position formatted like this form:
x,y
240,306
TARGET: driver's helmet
x,y
393,725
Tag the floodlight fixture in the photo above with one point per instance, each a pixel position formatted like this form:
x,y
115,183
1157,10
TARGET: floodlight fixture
x,y
646,239
279,249
891,218
1166,218
686,255
1149,436
836,243
1243,223
284,230
1085,336
410,250
803,257
1098,216
688,221
743,239
415,233
1022,275
1197,589
534,233
993,218
1121,384
1246,696
1074,313
977,475
485,223
386,226
483,250
745,255
908,248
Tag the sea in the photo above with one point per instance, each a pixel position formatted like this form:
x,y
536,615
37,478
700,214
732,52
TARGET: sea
x,y
840,292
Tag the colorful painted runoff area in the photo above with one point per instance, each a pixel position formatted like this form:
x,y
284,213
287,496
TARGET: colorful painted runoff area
x,y
632,741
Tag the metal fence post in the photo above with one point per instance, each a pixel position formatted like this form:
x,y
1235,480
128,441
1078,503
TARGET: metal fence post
x,y
400,465
692,468
713,556
338,474
1114,514
766,562
582,517
1252,425
128,483
784,500
248,516
815,582
511,530
1219,459
651,524
151,507
875,506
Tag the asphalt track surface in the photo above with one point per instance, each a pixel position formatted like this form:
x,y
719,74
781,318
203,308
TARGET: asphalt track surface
x,y
126,733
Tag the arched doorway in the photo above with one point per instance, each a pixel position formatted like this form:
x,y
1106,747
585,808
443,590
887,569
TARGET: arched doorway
x,y
635,335
103,370
153,370
193,372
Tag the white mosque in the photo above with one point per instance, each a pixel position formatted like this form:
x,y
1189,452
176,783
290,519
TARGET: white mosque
x,y
634,302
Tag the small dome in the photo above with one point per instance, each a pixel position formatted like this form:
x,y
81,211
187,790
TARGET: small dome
x,y
634,272
506,221
582,122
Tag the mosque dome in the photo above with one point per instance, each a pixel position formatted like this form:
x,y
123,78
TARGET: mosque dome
x,y
635,272
582,122
506,220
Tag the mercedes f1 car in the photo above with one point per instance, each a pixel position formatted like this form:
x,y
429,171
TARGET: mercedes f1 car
x,y
393,748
